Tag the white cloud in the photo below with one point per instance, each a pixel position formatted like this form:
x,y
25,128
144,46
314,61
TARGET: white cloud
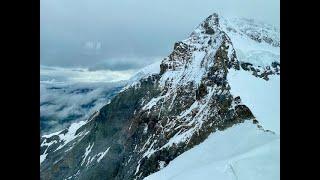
x,y
69,75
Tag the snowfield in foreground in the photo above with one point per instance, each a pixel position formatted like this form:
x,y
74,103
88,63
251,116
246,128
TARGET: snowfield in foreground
x,y
242,152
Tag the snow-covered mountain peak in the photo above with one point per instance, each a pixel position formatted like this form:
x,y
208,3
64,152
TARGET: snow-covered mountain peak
x,y
210,24
192,58
204,86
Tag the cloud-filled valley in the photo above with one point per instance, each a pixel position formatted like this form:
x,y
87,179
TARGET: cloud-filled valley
x,y
71,94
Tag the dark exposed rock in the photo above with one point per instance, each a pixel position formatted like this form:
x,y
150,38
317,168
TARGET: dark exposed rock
x,y
237,100
246,66
210,23
208,29
201,91
243,112
262,72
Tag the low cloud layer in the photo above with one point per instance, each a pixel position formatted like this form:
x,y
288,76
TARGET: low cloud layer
x,y
68,95
82,75
125,63
64,103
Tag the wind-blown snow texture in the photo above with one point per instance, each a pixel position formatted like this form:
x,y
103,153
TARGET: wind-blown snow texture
x,y
200,95
242,152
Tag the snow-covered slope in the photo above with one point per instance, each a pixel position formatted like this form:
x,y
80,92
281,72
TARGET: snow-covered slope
x,y
242,152
153,68
262,97
254,42
149,70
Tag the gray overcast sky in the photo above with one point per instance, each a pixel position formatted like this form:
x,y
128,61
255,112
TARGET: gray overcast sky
x,y
129,34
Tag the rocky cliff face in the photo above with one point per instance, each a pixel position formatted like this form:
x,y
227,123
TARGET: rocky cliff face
x,y
154,120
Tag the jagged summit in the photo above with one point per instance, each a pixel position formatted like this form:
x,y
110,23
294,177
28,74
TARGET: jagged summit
x,y
162,115
192,57
211,24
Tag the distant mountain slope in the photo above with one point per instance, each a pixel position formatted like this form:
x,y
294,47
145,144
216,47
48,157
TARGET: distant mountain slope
x,y
164,117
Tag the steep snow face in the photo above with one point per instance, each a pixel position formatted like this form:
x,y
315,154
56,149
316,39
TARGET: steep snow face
x,y
262,97
242,152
